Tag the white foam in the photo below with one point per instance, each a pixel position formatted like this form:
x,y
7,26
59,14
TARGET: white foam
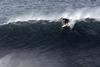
x,y
30,17
82,13
5,61
72,14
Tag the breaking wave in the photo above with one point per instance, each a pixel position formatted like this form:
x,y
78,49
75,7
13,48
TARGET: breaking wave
x,y
32,33
41,42
72,14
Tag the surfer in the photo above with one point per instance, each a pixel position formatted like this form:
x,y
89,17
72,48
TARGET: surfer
x,y
65,22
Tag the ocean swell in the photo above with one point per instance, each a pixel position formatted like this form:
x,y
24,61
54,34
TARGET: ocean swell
x,y
48,33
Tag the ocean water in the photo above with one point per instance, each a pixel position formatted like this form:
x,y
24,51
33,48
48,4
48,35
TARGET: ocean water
x,y
31,33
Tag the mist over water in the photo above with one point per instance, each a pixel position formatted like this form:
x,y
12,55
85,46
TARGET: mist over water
x,y
31,34
12,10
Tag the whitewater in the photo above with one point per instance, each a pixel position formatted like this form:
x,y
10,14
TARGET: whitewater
x,y
31,33
73,15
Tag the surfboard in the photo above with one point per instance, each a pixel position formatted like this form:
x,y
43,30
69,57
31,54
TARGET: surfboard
x,y
65,25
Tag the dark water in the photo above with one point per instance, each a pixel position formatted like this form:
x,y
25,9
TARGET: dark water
x,y
49,33
45,44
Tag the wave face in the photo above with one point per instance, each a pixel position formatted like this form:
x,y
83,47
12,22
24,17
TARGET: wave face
x,y
33,33
45,43
30,35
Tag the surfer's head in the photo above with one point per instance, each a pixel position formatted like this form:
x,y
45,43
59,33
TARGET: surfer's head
x,y
65,20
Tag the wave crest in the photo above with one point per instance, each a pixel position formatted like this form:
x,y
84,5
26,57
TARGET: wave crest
x,y
44,32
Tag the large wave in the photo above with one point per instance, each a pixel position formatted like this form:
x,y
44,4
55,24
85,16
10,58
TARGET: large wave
x,y
34,33
43,43
31,33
